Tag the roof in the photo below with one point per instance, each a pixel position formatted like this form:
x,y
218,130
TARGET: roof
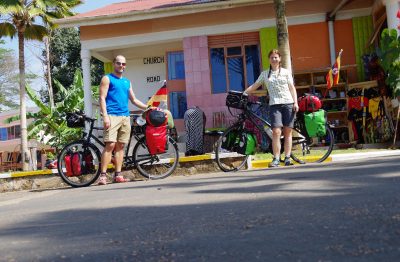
x,y
138,5
148,9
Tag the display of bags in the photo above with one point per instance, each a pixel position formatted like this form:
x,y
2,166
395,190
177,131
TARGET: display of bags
x,y
156,139
309,103
316,123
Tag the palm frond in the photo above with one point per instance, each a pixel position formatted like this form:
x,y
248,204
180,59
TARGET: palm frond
x,y
7,29
36,32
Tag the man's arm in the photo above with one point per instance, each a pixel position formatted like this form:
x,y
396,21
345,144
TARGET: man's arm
x,y
136,101
104,85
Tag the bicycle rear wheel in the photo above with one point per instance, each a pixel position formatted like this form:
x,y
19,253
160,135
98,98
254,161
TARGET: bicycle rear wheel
x,y
312,149
79,163
155,166
227,159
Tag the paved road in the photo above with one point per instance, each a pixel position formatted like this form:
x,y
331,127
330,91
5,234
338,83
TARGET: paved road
x,y
329,212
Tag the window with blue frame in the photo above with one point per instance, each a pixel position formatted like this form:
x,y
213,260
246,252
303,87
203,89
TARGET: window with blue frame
x,y
178,104
176,66
3,134
234,67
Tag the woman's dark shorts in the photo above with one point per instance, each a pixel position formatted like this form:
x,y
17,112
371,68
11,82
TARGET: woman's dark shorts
x,y
282,115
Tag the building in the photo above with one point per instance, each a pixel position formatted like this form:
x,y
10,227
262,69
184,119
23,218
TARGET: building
x,y
205,48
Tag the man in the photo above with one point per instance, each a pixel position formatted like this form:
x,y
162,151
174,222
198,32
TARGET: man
x,y
115,90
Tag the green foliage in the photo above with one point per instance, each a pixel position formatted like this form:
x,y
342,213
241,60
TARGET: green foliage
x,y
65,59
389,55
50,127
8,79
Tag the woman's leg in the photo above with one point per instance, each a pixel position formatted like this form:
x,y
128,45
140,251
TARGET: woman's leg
x,y
276,142
287,133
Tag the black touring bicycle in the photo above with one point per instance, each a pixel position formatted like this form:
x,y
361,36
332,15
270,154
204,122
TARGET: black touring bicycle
x,y
230,152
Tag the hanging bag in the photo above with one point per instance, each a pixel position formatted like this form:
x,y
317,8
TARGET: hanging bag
x,y
73,164
316,123
156,139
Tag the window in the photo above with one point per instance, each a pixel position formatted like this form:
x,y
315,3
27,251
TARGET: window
x,y
3,134
234,67
178,104
176,66
9,133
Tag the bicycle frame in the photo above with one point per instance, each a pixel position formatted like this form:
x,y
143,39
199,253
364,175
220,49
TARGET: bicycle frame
x,y
87,136
249,114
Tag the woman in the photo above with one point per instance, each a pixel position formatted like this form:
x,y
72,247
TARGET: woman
x,y
283,104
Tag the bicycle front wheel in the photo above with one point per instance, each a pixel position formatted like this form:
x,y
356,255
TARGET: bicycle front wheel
x,y
155,166
79,163
227,159
312,149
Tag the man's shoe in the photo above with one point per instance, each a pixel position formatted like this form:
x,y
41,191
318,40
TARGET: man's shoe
x,y
274,163
102,180
287,161
120,179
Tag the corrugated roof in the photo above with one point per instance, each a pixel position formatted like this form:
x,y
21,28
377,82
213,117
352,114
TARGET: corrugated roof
x,y
138,5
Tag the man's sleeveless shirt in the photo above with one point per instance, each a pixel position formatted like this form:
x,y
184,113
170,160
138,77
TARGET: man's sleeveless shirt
x,y
118,96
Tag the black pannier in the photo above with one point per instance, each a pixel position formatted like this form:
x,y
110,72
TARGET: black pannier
x,y
236,99
75,120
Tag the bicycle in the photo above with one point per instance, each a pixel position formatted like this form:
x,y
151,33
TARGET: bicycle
x,y
305,149
151,166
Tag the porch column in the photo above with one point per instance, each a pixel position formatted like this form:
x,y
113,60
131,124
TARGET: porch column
x,y
85,56
392,7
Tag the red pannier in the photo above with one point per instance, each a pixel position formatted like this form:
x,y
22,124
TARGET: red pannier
x,y
309,103
156,139
73,164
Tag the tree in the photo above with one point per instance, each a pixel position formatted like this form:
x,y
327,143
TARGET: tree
x,y
65,59
283,34
25,20
49,125
8,79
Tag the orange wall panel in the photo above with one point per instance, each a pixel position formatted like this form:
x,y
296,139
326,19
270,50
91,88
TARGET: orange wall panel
x,y
344,40
309,46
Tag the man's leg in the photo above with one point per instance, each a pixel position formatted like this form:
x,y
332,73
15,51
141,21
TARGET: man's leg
x,y
105,160
119,156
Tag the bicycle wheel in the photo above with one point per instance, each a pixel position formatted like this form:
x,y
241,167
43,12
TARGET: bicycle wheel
x,y
227,159
79,163
155,166
312,149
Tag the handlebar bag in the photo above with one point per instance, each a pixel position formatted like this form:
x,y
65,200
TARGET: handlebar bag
x,y
315,123
236,99
246,143
309,103
75,120
156,139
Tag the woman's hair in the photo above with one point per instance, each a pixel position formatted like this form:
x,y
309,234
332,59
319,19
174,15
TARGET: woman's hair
x,y
272,52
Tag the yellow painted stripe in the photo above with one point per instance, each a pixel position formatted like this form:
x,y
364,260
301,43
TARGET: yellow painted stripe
x,y
264,163
195,158
32,173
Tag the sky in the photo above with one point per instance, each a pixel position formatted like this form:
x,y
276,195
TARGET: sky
x,y
33,48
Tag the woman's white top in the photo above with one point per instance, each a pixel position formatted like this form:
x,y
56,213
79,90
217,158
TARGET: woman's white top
x,y
277,86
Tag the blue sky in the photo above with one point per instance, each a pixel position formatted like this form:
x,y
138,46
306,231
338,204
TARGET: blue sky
x,y
33,48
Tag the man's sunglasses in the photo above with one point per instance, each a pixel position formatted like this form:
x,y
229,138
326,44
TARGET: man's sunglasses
x,y
120,64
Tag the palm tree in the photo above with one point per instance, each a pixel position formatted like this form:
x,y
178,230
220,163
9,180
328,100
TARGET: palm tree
x,y
282,31
23,18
